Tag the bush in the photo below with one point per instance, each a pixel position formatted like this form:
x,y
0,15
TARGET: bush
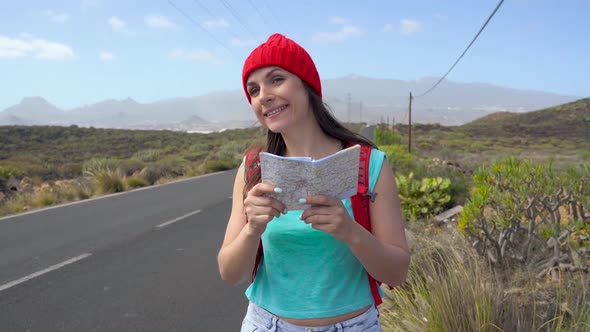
x,y
98,165
136,182
516,203
219,165
129,166
449,288
148,155
422,198
109,182
404,162
386,137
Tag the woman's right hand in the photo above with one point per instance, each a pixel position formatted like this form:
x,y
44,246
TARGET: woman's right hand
x,y
260,209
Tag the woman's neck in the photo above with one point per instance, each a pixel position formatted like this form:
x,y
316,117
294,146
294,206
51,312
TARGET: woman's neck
x,y
311,142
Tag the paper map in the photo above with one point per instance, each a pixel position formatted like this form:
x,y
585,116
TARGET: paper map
x,y
335,175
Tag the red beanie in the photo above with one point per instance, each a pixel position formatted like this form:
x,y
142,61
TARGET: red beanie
x,y
282,52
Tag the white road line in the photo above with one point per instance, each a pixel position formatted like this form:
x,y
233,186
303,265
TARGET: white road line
x,y
39,273
178,219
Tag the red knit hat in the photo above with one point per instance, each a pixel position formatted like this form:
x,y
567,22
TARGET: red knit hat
x,y
282,52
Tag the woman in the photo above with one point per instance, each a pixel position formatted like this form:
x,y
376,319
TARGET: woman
x,y
313,272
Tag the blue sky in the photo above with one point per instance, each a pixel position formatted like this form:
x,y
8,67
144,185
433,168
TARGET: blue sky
x,y
79,52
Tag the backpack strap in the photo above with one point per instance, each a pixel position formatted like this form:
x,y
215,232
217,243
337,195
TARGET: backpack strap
x,y
251,165
361,210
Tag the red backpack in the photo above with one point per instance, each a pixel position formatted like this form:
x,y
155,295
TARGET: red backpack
x,y
360,202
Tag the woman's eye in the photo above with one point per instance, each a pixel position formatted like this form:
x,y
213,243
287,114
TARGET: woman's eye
x,y
277,79
253,91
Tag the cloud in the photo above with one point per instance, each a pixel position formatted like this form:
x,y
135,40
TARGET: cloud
x,y
160,22
57,17
388,27
120,26
338,20
215,24
106,56
199,55
408,26
34,47
117,24
345,32
236,42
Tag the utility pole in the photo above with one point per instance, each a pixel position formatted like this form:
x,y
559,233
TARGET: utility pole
x,y
361,112
410,125
348,107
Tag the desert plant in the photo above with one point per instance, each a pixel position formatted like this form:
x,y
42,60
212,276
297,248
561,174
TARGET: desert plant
x,y
384,136
136,182
514,203
449,288
421,198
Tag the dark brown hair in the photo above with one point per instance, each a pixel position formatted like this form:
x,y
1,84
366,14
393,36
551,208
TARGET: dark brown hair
x,y
328,123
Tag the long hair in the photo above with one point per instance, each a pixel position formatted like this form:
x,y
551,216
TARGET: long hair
x,y
328,123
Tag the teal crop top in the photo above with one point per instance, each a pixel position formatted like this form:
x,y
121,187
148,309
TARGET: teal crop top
x,y
306,273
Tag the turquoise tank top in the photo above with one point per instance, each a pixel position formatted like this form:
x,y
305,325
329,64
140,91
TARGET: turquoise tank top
x,y
306,273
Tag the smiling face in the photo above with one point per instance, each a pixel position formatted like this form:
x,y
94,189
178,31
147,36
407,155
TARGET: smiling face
x,y
278,99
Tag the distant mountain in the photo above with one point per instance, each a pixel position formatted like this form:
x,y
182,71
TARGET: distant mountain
x,y
355,98
570,120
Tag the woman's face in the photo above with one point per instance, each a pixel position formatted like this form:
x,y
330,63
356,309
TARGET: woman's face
x,y
278,98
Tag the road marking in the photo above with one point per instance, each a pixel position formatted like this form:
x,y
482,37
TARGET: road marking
x,y
178,219
42,272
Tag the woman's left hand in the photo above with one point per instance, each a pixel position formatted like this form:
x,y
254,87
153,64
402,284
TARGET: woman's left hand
x,y
329,215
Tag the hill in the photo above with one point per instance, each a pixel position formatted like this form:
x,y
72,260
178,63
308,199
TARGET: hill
x,y
566,121
352,99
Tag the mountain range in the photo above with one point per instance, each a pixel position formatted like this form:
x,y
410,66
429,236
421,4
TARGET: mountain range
x,y
351,98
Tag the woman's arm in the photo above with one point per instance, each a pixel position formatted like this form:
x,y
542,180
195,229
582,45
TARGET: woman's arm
x,y
247,222
238,252
384,253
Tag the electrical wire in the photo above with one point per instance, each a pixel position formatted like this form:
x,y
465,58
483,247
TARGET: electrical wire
x,y
200,26
472,41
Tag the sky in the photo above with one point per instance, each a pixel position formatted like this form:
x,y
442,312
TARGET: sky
x,y
79,52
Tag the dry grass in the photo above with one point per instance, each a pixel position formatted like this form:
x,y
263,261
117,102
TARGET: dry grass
x,y
451,288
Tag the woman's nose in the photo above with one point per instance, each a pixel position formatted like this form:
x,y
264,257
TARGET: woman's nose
x,y
266,94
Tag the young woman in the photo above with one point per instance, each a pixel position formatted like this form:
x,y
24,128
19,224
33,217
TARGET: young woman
x,y
313,271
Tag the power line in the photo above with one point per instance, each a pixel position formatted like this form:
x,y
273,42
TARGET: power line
x,y
453,66
200,26
213,16
237,17
260,14
274,16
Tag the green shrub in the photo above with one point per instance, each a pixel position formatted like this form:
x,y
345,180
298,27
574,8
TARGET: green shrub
x,y
422,198
148,155
98,165
517,204
109,182
136,182
44,198
151,173
129,166
386,137
69,170
404,162
219,165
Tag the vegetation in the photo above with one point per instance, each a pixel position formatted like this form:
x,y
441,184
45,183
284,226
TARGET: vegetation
x,y
52,165
516,258
529,215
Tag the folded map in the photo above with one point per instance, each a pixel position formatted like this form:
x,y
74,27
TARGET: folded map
x,y
335,175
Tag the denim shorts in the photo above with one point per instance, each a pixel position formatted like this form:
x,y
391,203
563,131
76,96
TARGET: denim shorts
x,y
260,320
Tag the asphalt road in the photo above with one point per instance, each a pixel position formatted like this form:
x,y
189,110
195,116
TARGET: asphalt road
x,y
137,261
